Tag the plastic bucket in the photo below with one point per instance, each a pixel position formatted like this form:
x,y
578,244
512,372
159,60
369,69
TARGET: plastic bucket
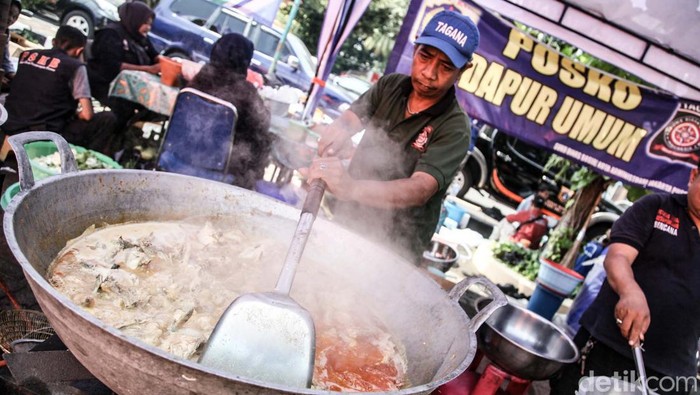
x,y
38,149
9,194
170,70
558,278
544,301
277,107
454,211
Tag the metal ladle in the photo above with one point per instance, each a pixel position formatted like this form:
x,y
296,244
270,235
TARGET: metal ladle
x,y
639,363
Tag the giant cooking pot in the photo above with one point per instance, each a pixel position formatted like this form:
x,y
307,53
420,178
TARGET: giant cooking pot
x,y
44,216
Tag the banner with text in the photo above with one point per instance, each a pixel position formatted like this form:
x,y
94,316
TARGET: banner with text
x,y
526,89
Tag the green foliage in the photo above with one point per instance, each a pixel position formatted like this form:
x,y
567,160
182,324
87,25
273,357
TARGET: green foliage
x,y
521,259
31,4
582,177
368,47
561,239
579,179
558,165
636,193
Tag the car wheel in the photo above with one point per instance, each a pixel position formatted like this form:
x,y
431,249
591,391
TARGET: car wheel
x,y
596,231
80,20
177,54
461,184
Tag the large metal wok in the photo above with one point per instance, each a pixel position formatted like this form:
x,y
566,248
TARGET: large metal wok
x,y
43,216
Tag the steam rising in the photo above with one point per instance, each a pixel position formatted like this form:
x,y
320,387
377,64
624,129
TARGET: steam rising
x,y
382,155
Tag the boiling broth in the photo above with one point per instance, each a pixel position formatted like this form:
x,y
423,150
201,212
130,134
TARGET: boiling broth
x,y
167,284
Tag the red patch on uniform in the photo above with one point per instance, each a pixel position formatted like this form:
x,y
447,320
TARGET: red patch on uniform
x,y
420,142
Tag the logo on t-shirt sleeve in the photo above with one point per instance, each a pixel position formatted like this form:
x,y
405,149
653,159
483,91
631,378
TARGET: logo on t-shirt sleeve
x,y
666,222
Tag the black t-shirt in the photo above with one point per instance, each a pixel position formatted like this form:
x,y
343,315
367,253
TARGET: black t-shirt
x,y
42,92
668,271
435,142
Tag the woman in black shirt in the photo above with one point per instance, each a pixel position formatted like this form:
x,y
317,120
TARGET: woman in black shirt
x,y
122,45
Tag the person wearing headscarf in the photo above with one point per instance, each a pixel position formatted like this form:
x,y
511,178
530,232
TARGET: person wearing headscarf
x,y
225,77
122,45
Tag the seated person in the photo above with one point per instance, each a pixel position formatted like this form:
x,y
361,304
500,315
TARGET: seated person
x,y
122,45
67,110
532,224
225,77
7,66
190,70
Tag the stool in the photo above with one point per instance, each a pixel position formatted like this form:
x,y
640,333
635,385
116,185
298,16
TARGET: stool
x,y
493,377
461,385
489,383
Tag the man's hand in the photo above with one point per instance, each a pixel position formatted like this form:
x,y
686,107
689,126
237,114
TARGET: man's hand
x,y
633,311
333,142
333,172
153,69
335,138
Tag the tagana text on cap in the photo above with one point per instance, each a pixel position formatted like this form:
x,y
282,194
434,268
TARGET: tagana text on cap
x,y
452,33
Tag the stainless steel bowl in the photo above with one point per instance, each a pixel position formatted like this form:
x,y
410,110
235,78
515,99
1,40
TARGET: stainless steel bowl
x,y
440,256
523,343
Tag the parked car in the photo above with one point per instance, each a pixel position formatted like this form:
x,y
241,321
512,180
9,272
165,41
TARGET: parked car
x,y
189,28
353,86
85,15
511,170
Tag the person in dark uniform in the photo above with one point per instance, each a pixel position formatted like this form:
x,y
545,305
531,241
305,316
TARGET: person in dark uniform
x,y
416,136
50,92
651,295
122,45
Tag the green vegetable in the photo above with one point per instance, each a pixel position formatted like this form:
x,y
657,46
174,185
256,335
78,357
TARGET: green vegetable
x,y
522,260
85,160
88,160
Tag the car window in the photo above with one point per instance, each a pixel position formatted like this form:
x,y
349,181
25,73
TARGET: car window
x,y
196,11
306,61
226,23
266,43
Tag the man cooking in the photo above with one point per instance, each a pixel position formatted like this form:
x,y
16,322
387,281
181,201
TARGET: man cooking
x,y
651,295
415,137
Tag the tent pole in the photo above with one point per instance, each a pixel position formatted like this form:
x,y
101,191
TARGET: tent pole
x,y
283,39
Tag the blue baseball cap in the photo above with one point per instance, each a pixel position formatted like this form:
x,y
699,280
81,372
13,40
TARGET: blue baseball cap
x,y
452,33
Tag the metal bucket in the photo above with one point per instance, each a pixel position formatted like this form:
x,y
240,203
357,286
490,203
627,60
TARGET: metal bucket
x,y
44,216
440,256
523,343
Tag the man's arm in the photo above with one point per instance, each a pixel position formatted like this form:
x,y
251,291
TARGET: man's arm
x,y
85,111
632,308
81,93
406,192
153,68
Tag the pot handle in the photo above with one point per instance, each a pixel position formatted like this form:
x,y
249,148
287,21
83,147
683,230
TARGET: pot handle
x,y
498,299
26,177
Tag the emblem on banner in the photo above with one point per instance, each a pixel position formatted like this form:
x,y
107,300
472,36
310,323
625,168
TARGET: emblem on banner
x,y
679,140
